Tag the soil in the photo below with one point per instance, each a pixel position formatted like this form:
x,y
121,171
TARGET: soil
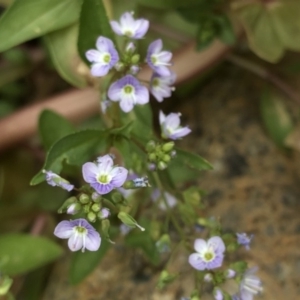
x,y
254,188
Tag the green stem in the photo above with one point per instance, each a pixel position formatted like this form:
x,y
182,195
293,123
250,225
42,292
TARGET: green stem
x,y
170,214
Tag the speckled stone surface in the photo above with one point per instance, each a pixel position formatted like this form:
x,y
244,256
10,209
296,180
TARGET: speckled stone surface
x,y
254,187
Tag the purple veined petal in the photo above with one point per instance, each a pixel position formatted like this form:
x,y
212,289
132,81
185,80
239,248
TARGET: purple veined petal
x,y
142,27
63,230
93,55
116,27
162,117
98,69
75,242
217,244
90,172
114,91
119,176
104,44
162,70
126,105
127,20
215,263
155,46
196,262
92,240
172,121
179,133
101,188
105,163
142,95
165,56
114,57
200,245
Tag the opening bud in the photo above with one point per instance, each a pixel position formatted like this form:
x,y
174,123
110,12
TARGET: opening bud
x,y
150,147
104,213
230,273
67,204
129,220
134,69
130,48
119,66
96,197
74,208
208,277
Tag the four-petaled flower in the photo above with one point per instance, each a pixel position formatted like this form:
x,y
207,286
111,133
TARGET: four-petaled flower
x,y
129,91
80,233
103,176
130,27
55,180
250,285
161,87
209,254
244,240
104,58
170,126
157,59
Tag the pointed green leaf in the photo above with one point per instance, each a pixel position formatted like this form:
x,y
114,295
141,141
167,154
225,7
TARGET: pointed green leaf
x,y
28,19
94,22
53,127
277,120
20,253
192,160
75,149
62,46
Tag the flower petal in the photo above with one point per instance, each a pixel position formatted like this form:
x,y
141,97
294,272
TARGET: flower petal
x,y
114,91
196,262
116,27
162,117
92,240
200,245
126,105
119,176
217,244
90,172
93,56
99,69
75,242
63,230
142,95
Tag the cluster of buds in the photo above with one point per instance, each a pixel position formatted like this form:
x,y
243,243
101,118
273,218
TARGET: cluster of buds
x,y
159,155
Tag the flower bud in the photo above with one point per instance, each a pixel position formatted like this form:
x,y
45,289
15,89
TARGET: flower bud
x,y
74,208
96,207
136,183
130,48
84,198
208,277
218,294
167,147
119,66
91,216
134,69
105,225
152,157
86,208
152,167
173,153
104,213
230,273
165,278
161,165
129,220
166,158
67,204
150,147
96,197
135,59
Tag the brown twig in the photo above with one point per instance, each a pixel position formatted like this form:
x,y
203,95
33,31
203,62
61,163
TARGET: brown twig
x,y
265,74
78,105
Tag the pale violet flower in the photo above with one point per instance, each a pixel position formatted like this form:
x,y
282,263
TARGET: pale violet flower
x,y
209,254
55,180
218,294
170,199
157,59
103,176
170,126
250,285
130,27
244,240
103,58
161,87
80,233
129,91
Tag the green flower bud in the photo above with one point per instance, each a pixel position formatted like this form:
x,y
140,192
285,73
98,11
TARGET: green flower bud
x,y
150,147
161,165
135,59
96,207
84,198
167,147
91,216
165,278
86,208
129,220
152,157
166,158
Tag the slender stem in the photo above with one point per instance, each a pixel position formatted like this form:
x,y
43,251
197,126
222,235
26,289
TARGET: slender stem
x,y
170,214
265,74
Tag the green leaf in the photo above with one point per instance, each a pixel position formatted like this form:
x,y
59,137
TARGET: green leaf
x,y
28,19
225,30
207,32
143,123
53,127
192,160
93,23
169,3
62,46
21,253
75,149
277,120
82,264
